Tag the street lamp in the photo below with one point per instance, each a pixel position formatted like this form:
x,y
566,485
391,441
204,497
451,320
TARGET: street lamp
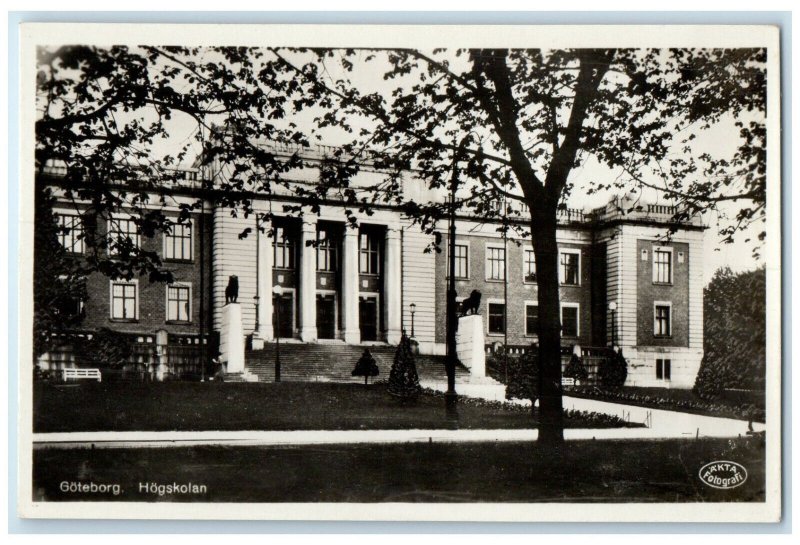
x,y
413,310
612,306
277,291
257,300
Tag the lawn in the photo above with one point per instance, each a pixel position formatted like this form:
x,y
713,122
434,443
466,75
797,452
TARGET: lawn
x,y
584,471
741,405
196,406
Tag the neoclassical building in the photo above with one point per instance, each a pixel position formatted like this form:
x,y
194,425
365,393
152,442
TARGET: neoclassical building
x,y
315,280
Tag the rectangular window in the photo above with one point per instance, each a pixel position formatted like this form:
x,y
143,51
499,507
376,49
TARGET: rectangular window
x,y
569,320
178,242
529,267
122,233
570,268
368,254
662,266
531,320
283,249
179,303
663,320
497,318
124,303
326,252
663,369
461,255
495,263
70,232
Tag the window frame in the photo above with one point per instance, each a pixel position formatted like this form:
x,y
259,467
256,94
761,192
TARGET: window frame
x,y
371,249
671,264
76,216
525,263
135,283
577,307
168,236
178,285
664,369
285,244
656,305
561,275
489,317
488,260
529,304
466,258
111,229
328,248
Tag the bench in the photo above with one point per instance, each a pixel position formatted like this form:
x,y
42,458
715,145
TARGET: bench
x,y
566,381
77,374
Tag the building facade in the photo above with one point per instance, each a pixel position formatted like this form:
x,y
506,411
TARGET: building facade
x,y
315,279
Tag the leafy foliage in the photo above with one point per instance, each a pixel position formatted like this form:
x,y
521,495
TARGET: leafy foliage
x,y
106,349
58,281
735,330
613,370
576,370
403,378
523,376
366,366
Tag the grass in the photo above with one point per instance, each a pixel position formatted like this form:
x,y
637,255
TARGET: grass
x,y
684,400
583,471
194,406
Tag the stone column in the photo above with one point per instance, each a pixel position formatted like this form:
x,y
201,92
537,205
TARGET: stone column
x,y
308,281
350,290
392,288
265,261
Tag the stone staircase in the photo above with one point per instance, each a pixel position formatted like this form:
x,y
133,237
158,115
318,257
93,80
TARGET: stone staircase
x,y
333,362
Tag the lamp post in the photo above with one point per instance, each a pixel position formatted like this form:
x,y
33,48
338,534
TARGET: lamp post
x,y
257,300
413,310
277,291
612,306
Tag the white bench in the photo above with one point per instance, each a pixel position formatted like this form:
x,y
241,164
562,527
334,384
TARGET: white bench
x,y
77,374
567,381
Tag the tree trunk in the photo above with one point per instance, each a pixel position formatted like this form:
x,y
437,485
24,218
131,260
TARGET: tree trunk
x,y
545,248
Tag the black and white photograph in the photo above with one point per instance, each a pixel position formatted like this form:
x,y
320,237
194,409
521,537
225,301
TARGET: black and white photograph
x,y
400,273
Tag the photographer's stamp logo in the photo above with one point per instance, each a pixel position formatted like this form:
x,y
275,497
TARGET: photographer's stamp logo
x,y
723,474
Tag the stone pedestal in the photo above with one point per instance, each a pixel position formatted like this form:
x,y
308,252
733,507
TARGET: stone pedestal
x,y
231,338
470,344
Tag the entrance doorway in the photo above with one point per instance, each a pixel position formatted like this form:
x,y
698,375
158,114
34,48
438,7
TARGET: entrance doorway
x,y
368,318
326,316
283,322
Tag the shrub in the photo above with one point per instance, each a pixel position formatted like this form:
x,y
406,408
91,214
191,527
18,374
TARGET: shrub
x,y
613,371
105,350
523,376
403,378
576,370
366,367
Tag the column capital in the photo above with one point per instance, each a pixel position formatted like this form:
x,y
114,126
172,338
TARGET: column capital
x,y
309,223
349,233
393,231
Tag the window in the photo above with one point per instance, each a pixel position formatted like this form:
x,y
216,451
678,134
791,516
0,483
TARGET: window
x,y
531,319
461,255
70,232
497,318
179,298
284,249
495,263
69,303
326,252
662,266
569,320
663,369
368,254
570,268
122,232
529,266
663,320
178,242
124,301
